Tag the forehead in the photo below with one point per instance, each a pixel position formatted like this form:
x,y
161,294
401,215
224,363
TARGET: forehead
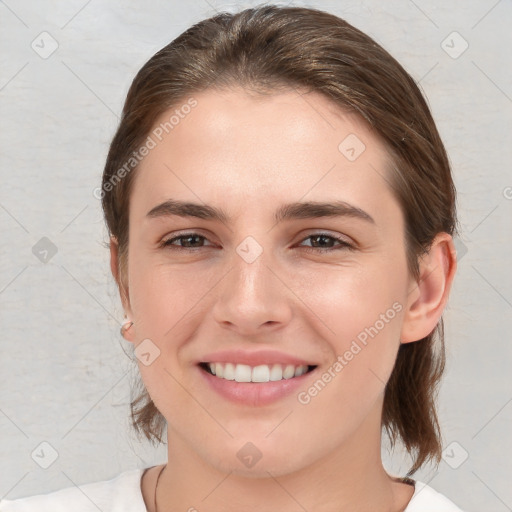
x,y
254,150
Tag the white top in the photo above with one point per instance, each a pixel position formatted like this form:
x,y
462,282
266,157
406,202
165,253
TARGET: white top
x,y
123,494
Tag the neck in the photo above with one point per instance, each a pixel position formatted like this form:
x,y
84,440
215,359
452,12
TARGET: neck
x,y
350,477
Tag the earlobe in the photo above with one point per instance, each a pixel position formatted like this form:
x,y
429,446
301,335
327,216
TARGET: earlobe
x,y
429,294
126,329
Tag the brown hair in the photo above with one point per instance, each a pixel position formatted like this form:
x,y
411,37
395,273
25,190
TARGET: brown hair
x,y
269,48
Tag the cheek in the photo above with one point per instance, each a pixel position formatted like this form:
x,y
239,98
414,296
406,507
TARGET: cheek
x,y
361,313
162,294
349,300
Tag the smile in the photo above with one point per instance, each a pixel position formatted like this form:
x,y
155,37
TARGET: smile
x,y
260,373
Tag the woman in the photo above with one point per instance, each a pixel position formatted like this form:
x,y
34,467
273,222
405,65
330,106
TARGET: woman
x,y
281,212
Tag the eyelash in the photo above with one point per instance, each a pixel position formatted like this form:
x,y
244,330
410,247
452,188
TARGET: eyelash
x,y
343,244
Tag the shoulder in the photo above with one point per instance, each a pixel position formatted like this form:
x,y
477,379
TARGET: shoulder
x,y
426,499
122,493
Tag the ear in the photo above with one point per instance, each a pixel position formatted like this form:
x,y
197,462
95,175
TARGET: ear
x,y
429,294
123,289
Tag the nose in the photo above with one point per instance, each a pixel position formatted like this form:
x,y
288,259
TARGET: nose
x,y
254,297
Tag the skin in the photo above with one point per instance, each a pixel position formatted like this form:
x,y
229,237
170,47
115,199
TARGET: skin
x,y
248,155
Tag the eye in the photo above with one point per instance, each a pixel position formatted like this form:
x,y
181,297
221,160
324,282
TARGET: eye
x,y
189,241
193,241
324,240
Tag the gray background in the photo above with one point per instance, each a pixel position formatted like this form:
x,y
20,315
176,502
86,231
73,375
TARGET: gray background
x,y
64,374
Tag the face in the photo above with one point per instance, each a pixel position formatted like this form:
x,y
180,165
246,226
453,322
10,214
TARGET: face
x,y
310,291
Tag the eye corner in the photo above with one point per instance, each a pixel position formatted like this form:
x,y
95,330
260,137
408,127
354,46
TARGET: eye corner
x,y
343,243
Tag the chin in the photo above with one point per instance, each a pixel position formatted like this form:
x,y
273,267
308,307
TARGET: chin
x,y
246,459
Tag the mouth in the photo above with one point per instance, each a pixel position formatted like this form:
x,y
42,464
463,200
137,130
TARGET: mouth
x,y
255,374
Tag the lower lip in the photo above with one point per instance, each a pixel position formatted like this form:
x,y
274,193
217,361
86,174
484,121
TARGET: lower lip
x,y
254,393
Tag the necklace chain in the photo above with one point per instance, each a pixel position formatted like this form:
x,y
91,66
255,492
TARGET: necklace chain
x,y
156,486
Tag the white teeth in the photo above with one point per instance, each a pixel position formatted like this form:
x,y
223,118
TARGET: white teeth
x,y
229,370
243,373
289,371
276,373
261,373
300,370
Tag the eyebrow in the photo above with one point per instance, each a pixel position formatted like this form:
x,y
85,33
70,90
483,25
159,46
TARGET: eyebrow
x,y
291,211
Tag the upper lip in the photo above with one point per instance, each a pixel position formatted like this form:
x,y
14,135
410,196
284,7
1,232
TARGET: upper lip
x,y
254,358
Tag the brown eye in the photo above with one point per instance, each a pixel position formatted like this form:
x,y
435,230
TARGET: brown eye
x,y
323,242
188,241
320,242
